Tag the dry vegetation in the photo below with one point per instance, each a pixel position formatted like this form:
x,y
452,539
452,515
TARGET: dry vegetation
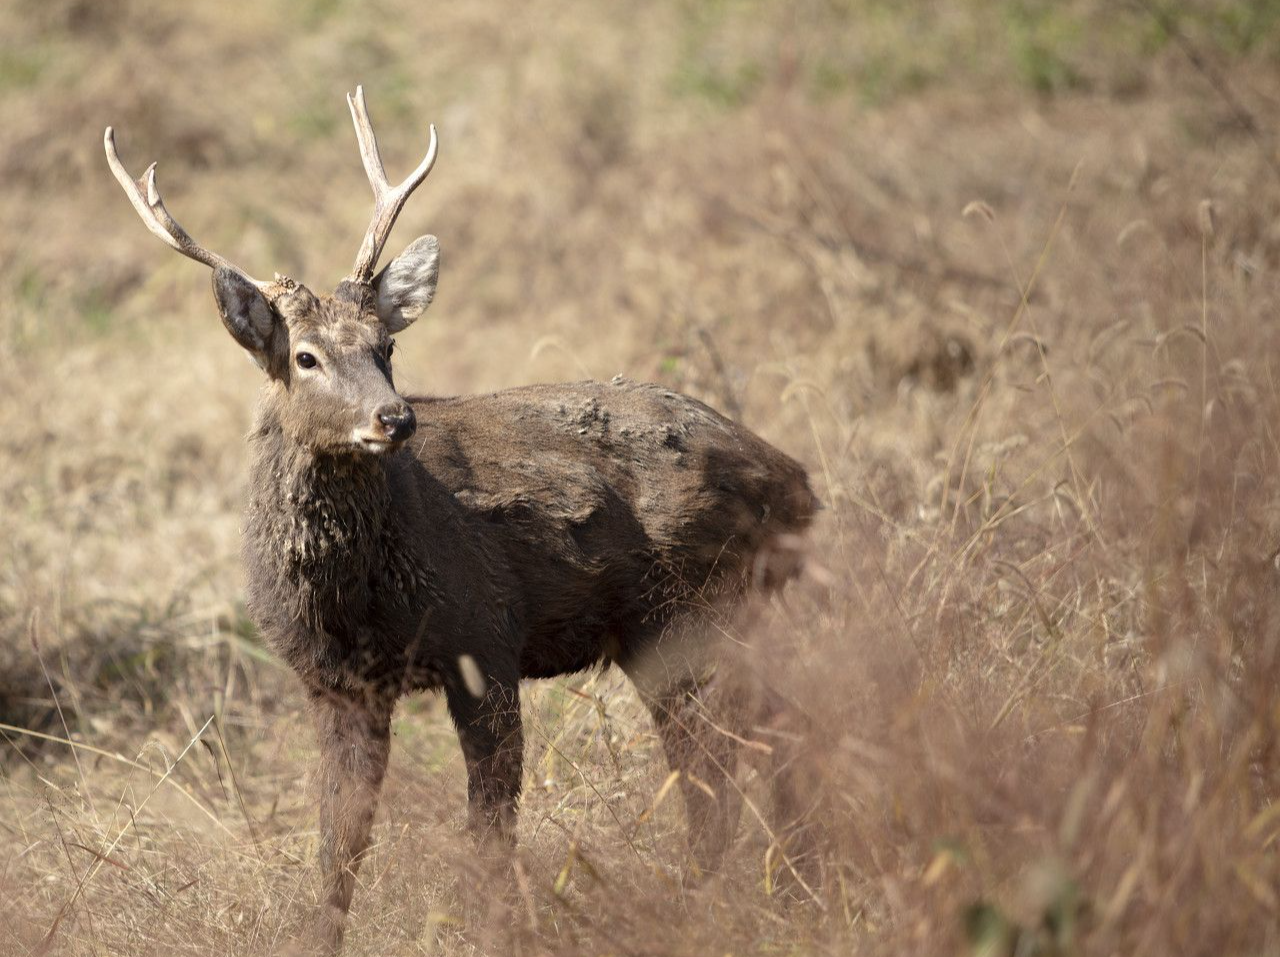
x,y
1003,275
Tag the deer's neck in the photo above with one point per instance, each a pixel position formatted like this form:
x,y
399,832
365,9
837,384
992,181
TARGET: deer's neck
x,y
320,523
331,578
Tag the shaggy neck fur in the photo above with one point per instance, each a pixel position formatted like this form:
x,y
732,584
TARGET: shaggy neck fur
x,y
319,521
331,578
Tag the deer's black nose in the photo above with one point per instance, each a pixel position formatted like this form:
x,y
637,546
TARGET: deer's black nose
x,y
396,421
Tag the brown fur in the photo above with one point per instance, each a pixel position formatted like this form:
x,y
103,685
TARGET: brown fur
x,y
539,531
525,534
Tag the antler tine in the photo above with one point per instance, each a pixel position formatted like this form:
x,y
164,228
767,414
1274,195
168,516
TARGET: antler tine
x,y
387,202
145,197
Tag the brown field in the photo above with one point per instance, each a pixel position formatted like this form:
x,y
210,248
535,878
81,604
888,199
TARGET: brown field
x,y
1004,276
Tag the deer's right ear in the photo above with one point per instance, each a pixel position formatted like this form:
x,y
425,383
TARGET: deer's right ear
x,y
245,312
408,283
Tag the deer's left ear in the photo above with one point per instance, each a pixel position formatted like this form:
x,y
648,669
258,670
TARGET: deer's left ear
x,y
408,283
246,313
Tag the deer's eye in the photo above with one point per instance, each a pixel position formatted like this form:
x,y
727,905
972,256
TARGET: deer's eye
x,y
391,347
306,360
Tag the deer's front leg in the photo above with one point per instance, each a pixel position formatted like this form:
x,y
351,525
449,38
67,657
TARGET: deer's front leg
x,y
355,740
489,730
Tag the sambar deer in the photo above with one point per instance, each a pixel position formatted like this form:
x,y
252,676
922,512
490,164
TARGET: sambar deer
x,y
530,533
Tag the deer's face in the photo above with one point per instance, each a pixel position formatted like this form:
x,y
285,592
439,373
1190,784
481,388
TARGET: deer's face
x,y
329,358
334,390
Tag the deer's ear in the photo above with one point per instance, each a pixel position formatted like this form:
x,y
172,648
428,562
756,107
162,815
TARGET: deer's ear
x,y
408,283
245,312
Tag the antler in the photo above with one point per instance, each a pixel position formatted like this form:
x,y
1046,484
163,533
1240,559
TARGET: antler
x,y
387,201
145,196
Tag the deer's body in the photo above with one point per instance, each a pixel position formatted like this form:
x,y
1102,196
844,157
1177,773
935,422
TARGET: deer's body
x,y
462,544
540,530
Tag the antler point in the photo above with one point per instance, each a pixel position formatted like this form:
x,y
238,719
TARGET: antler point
x,y
144,195
153,191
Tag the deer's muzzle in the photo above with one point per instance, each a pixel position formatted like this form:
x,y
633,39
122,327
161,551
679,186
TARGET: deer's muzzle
x,y
396,422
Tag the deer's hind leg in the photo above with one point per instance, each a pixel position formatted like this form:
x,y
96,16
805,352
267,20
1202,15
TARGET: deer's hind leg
x,y
354,733
700,716
789,764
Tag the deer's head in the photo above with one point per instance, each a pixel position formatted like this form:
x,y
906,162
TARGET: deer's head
x,y
327,358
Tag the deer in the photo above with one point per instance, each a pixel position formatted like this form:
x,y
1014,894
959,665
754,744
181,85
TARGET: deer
x,y
398,544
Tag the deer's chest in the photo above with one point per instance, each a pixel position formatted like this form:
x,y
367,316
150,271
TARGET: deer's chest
x,y
335,587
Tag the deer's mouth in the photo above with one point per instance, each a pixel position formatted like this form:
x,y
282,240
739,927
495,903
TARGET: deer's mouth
x,y
375,444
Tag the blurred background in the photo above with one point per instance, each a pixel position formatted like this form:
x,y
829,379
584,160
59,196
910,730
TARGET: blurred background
x,y
1001,274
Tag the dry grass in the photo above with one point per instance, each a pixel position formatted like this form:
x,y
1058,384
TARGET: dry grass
x,y
957,260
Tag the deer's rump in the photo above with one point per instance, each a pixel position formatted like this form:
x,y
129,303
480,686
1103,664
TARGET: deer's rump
x,y
615,505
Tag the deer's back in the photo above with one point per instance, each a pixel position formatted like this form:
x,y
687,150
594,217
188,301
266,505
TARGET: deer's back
x,y
611,502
